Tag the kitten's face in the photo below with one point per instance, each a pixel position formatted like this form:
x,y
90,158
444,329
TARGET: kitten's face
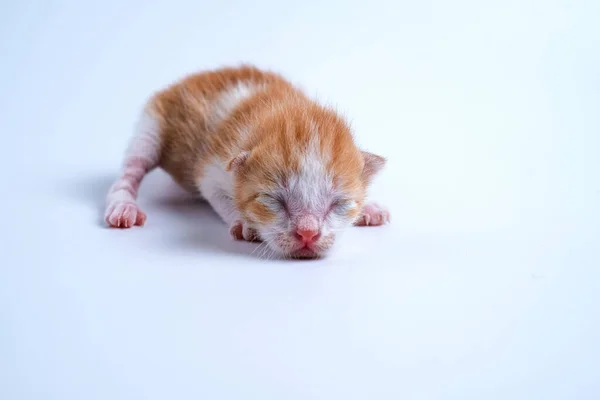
x,y
300,191
300,214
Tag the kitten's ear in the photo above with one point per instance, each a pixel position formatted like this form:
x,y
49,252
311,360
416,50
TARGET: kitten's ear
x,y
373,164
236,162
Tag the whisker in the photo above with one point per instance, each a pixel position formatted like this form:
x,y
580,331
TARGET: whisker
x,y
258,247
269,253
264,249
262,252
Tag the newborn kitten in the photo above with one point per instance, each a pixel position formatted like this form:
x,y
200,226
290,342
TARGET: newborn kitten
x,y
275,165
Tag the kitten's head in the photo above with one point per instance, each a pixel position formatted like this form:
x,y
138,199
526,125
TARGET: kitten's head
x,y
302,180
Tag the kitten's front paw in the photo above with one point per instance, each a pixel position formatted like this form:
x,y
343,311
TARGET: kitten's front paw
x,y
373,215
124,214
242,231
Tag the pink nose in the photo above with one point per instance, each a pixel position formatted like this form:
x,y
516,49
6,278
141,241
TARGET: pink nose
x,y
308,235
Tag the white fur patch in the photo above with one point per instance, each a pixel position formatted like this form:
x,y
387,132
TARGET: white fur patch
x,y
216,178
216,186
313,184
228,100
145,142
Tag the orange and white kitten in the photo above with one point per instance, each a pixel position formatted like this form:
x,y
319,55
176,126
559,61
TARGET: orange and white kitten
x,y
275,165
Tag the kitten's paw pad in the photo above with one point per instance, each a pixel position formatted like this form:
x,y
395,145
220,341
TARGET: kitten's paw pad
x,y
373,215
241,231
124,215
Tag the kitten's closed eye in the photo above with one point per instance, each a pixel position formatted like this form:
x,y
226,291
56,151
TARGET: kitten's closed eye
x,y
273,202
342,206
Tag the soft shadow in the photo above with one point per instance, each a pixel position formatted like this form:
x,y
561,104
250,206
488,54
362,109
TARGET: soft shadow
x,y
92,191
178,220
195,227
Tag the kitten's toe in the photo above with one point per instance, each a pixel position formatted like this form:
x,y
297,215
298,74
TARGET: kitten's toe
x,y
242,231
373,215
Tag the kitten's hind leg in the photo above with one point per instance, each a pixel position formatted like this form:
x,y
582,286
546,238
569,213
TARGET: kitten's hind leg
x,y
142,157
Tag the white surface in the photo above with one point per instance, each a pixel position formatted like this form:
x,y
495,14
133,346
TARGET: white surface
x,y
486,285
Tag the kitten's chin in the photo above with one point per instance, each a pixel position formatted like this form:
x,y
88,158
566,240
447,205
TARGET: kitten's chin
x,y
305,254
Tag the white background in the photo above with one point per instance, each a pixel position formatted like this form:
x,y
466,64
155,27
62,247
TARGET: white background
x,y
485,286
